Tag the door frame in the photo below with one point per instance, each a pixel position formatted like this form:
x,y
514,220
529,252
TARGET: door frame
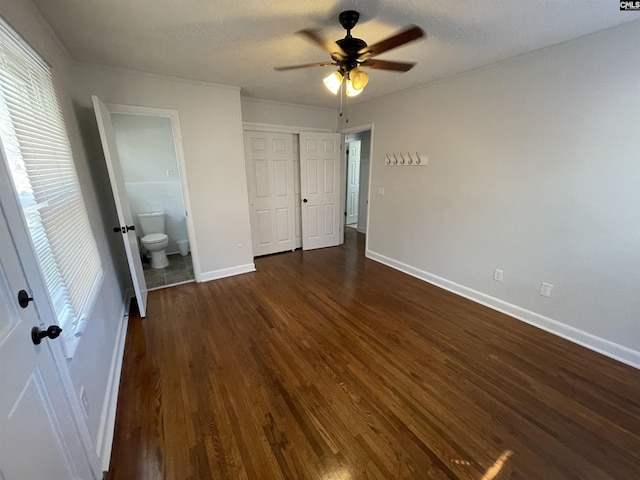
x,y
182,168
347,153
22,240
275,128
343,199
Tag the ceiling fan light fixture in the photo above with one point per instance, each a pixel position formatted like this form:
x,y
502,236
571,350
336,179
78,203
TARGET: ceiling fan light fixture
x,y
351,90
359,78
333,82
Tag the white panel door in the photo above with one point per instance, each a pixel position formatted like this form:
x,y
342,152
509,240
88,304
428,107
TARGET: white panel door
x,y
320,189
38,434
353,181
269,162
112,159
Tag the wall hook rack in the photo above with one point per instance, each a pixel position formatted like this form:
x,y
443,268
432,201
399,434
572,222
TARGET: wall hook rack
x,y
415,159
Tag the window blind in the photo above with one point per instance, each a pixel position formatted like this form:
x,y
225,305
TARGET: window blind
x,y
38,154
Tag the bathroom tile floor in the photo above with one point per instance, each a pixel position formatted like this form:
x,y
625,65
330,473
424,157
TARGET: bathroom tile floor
x,y
180,270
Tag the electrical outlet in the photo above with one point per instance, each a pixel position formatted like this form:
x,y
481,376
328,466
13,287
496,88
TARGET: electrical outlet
x,y
497,275
545,289
85,402
169,172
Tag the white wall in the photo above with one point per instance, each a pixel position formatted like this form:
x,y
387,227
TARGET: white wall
x,y
90,366
147,153
210,120
533,169
256,110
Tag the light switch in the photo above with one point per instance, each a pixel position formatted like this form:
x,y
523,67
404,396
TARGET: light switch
x,y
169,172
381,191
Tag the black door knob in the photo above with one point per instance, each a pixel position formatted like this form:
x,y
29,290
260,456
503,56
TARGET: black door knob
x,y
52,332
131,227
305,200
24,298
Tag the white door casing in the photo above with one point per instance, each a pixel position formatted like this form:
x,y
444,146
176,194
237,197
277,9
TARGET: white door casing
x,y
38,433
296,190
125,217
353,181
320,167
270,169
182,169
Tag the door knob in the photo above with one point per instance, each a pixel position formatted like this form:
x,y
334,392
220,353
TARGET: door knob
x,y
305,200
24,298
131,227
52,332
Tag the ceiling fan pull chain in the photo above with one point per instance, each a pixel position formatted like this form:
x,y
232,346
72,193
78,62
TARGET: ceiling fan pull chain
x,y
347,109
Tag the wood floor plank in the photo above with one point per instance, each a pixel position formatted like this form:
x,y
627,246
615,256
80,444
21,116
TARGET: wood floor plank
x,y
327,365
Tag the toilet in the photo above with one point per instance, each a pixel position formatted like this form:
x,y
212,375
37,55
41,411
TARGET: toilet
x,y
154,237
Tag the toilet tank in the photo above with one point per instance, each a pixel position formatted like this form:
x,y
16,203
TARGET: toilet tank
x,y
151,222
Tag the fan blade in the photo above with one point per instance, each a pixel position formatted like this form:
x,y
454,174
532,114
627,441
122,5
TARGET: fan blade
x,y
293,67
332,48
400,38
386,65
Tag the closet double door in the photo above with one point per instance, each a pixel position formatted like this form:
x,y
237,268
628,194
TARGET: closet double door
x,y
294,190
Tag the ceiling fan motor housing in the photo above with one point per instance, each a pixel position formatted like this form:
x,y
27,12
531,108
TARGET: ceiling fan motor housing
x,y
351,47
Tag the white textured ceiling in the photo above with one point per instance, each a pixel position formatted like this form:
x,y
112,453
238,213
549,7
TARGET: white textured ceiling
x,y
238,42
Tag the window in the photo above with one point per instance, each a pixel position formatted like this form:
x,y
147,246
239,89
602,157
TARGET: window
x,y
36,148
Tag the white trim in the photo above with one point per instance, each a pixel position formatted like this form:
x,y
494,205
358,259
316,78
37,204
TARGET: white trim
x,y
287,104
182,168
227,272
158,76
108,418
360,128
274,128
606,347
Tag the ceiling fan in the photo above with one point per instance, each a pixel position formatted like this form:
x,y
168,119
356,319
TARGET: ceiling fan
x,y
351,54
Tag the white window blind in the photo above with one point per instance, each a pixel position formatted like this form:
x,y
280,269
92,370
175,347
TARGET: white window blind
x,y
38,154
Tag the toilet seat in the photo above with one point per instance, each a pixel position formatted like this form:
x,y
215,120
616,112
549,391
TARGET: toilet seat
x,y
154,238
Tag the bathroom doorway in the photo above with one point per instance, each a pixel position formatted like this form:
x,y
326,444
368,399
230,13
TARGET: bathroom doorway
x,y
358,165
150,152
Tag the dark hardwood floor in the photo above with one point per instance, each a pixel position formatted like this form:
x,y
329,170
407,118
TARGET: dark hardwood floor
x,y
326,365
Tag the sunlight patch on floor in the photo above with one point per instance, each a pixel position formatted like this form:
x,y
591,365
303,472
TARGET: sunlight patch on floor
x,y
495,469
